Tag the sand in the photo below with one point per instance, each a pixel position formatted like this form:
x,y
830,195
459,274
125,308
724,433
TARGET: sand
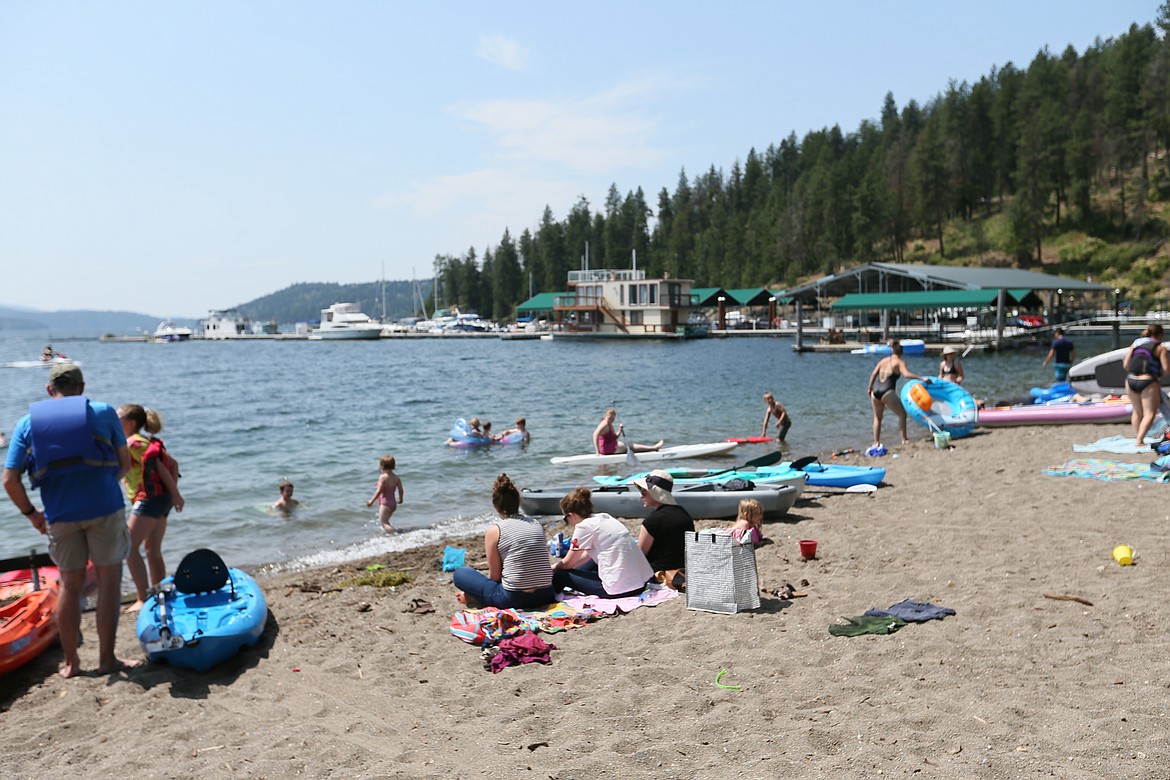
x,y
1014,685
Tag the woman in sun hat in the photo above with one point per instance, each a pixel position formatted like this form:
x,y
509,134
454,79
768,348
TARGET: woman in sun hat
x,y
950,368
663,534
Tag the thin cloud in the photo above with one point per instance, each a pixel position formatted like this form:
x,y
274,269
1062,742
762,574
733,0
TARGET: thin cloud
x,y
595,133
505,52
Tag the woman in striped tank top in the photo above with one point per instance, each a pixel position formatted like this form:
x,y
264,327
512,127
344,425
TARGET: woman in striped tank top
x,y
519,572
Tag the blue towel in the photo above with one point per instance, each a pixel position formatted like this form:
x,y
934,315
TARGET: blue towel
x,y
453,558
912,611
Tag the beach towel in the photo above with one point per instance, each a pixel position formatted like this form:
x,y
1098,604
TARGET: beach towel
x,y
1121,445
913,611
863,624
524,649
1107,470
652,596
490,625
560,617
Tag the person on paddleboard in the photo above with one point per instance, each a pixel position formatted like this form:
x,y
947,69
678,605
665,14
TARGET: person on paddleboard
x,y
777,410
607,437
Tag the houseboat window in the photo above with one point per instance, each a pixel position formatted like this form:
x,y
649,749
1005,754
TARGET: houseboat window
x,y
653,295
621,293
636,317
642,294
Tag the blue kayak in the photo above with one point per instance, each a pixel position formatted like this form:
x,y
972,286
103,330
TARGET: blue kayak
x,y
203,615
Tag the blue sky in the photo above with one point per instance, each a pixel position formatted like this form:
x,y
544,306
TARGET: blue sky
x,y
171,158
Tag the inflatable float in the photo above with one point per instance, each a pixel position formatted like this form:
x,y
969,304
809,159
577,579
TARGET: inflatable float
x,y
1101,412
940,405
462,435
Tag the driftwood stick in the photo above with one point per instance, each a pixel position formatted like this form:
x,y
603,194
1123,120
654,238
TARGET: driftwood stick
x,y
1068,597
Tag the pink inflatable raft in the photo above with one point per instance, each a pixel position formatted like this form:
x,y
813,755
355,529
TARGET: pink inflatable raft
x,y
1056,414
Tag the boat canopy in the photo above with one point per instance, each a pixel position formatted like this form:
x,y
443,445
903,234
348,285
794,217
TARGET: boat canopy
x,y
926,299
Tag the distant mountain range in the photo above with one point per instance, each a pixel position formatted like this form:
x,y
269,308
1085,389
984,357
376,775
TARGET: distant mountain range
x,y
300,302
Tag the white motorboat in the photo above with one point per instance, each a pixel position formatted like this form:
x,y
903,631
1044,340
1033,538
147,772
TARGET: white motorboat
x,y
345,321
167,330
225,324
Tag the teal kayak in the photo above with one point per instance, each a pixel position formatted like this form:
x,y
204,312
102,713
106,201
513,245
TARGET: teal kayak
x,y
815,473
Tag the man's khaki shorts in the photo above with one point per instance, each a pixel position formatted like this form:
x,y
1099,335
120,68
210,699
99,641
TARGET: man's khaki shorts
x,y
104,540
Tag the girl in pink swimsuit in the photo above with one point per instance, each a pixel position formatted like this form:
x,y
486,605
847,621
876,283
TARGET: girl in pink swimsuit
x,y
388,493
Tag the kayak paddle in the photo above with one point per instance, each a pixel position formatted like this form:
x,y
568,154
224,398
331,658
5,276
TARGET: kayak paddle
x,y
631,458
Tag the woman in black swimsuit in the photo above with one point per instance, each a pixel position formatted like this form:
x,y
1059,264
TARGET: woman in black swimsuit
x,y
1146,361
883,391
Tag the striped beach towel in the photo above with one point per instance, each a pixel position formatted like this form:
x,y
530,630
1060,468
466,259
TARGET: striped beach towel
x,y
1107,470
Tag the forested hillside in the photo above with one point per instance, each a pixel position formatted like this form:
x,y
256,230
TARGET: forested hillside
x,y
303,302
1061,163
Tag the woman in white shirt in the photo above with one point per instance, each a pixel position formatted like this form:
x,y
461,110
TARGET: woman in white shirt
x,y
603,558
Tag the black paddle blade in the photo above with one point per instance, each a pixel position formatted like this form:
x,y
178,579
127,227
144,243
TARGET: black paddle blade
x,y
799,465
764,460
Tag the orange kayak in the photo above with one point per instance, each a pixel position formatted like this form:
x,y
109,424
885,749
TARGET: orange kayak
x,y
27,626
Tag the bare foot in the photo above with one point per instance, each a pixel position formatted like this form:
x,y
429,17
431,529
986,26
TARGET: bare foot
x,y
69,670
658,446
388,528
135,607
120,665
461,597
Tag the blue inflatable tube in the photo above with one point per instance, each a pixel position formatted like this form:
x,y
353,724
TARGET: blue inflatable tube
x,y
952,408
1058,392
462,436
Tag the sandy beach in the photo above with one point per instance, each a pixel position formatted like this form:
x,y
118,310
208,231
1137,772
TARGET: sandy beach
x,y
345,683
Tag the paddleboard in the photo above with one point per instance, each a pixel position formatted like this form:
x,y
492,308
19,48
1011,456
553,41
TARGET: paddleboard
x,y
667,453
1103,374
750,439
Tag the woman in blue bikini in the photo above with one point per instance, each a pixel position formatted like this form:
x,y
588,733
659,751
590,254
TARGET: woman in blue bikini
x,y
883,391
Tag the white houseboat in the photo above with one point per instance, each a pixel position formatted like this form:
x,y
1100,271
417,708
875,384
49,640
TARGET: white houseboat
x,y
623,302
225,324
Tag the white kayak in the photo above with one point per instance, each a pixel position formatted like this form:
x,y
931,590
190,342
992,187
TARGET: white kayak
x,y
666,453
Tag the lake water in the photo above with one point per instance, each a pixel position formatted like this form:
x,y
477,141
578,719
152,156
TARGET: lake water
x,y
241,416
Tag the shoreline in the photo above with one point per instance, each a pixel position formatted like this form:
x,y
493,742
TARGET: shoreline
x,y
346,683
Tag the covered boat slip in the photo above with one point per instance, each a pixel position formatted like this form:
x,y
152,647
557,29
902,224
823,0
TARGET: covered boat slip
x,y
947,303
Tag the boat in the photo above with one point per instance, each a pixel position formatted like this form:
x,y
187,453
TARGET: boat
x,y
225,324
940,405
749,439
28,599
41,363
800,472
344,321
702,501
667,453
909,347
1104,374
203,615
1069,413
167,330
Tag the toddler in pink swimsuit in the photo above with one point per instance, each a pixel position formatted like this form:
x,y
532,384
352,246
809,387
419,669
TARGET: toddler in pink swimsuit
x,y
388,493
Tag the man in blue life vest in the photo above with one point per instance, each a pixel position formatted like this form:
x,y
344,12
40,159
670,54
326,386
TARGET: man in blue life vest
x,y
75,452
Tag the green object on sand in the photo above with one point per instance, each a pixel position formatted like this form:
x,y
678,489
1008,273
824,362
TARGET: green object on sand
x,y
867,624
718,684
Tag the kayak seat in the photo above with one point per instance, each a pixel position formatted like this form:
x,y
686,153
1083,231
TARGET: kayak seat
x,y
201,571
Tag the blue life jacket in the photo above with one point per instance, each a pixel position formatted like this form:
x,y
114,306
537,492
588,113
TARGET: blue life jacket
x,y
63,440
